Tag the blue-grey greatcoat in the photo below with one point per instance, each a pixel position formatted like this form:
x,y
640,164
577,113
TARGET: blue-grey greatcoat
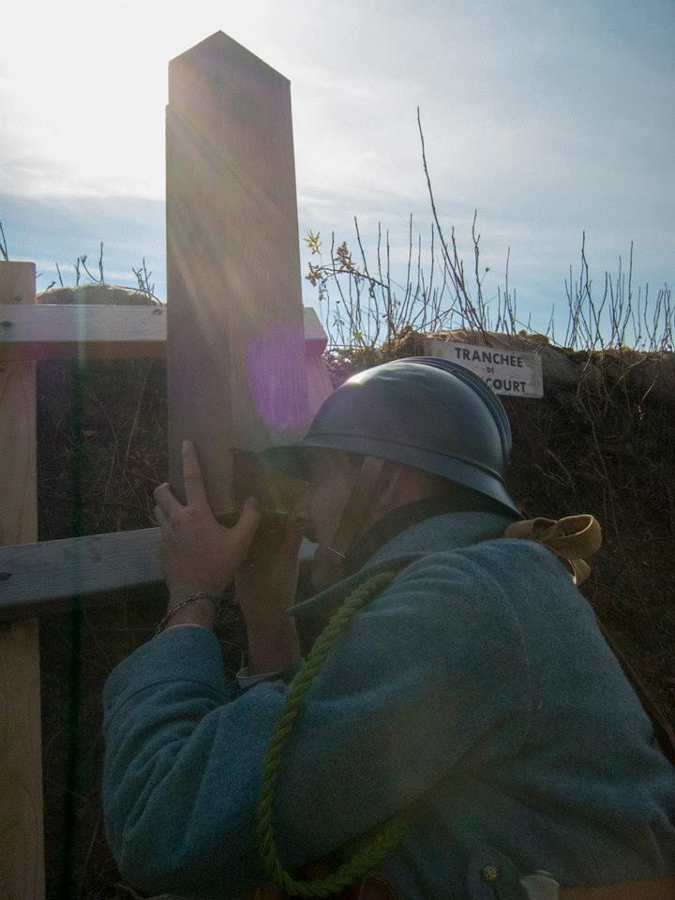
x,y
476,692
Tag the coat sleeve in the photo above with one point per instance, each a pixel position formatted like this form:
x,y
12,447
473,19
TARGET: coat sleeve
x,y
430,680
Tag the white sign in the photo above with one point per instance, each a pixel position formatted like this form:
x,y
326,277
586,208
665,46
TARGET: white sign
x,y
507,371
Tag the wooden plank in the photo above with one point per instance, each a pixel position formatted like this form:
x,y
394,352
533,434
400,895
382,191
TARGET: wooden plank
x,y
319,385
21,826
35,576
235,362
40,578
316,338
62,331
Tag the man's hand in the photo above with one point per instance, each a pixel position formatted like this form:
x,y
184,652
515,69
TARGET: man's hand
x,y
267,580
199,553
265,587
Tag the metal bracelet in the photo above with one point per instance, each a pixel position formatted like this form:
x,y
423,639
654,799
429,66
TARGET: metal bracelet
x,y
216,599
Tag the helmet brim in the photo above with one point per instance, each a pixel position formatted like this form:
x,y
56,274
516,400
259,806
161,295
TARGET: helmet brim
x,y
294,460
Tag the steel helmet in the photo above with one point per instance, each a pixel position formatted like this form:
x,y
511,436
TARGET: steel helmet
x,y
425,412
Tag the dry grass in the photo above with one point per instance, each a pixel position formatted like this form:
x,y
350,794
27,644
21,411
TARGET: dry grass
x,y
365,309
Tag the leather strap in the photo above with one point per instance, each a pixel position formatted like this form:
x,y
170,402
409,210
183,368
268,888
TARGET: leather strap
x,y
360,500
571,538
648,889
328,568
374,886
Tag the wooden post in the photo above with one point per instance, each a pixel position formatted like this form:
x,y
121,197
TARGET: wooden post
x,y
319,384
21,826
235,341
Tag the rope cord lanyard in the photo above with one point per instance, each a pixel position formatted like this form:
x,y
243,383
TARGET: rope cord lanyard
x,y
377,845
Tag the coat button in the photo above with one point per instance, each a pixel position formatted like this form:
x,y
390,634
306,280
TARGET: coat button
x,y
490,873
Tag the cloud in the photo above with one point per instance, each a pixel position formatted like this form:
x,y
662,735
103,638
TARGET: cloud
x,y
548,118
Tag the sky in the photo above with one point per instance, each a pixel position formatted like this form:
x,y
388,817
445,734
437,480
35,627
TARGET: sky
x,y
550,120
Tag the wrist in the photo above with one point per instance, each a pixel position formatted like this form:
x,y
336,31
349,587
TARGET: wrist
x,y
191,608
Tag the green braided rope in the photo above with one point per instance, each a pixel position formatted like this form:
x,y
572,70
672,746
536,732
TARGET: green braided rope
x,y
377,845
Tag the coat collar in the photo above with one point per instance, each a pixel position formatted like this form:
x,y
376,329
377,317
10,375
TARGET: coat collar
x,y
448,531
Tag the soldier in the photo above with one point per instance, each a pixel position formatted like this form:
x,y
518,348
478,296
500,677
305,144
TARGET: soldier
x,y
443,719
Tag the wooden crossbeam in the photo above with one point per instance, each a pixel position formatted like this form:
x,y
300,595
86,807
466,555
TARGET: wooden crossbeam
x,y
39,578
34,578
63,331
